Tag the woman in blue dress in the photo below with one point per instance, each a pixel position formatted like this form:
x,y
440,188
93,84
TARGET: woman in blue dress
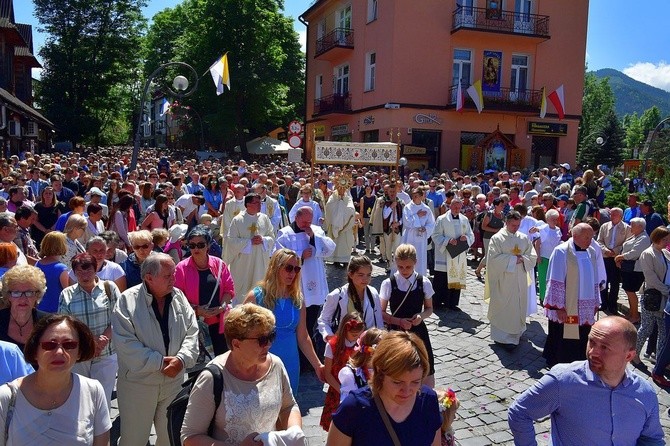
x,y
280,293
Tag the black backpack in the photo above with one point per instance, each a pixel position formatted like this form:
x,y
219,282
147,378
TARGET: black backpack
x,y
177,408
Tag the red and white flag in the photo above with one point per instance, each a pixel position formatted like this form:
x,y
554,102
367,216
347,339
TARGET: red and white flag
x,y
459,97
556,98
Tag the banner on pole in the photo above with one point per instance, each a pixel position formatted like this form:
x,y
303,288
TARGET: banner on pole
x,y
370,153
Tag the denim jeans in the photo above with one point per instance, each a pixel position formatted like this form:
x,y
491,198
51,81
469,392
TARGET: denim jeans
x,y
663,357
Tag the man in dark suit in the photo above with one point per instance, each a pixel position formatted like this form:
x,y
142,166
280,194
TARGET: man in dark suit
x,y
358,192
290,191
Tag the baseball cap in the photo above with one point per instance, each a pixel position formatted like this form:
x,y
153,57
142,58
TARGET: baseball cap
x,y
566,166
563,197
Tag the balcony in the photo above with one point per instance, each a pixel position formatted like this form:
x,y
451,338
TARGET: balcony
x,y
336,43
507,99
335,103
506,22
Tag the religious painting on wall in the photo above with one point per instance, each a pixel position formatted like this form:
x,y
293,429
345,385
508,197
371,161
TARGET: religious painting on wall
x,y
494,9
491,71
495,156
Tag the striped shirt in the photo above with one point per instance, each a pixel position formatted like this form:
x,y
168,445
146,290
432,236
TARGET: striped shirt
x,y
94,309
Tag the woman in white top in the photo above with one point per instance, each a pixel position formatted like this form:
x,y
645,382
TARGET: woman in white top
x,y
355,295
54,406
256,402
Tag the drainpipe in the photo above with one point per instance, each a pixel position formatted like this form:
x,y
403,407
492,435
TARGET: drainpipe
x,y
302,20
3,122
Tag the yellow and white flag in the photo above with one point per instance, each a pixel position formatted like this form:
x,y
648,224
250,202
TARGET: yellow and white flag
x,y
220,75
543,105
475,92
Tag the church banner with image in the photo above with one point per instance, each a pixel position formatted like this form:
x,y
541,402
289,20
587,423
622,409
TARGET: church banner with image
x,y
371,153
492,71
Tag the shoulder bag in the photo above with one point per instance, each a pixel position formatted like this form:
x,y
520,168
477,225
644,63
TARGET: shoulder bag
x,y
387,422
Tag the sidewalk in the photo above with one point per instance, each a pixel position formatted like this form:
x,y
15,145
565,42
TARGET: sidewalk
x,y
485,377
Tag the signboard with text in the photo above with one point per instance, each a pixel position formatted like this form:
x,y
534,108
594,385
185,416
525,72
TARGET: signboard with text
x,y
547,128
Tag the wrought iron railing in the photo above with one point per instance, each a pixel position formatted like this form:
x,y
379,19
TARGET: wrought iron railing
x,y
334,103
338,37
465,17
505,99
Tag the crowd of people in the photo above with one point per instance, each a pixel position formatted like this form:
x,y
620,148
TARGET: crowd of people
x,y
130,279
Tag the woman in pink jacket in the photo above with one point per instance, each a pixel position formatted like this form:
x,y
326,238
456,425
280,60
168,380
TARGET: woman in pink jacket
x,y
207,284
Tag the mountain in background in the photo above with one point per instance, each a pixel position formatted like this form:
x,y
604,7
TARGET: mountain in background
x,y
634,96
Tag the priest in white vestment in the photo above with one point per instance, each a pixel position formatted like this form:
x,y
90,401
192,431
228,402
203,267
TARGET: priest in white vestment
x,y
573,297
306,194
418,226
509,267
339,222
250,242
231,209
451,272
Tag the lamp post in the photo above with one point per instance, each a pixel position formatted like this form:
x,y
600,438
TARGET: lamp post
x,y
181,90
647,144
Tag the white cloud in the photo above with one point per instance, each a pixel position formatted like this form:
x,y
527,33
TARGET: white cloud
x,y
657,75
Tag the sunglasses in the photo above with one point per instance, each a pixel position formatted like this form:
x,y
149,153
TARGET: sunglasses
x,y
265,339
142,246
200,245
291,268
19,294
53,345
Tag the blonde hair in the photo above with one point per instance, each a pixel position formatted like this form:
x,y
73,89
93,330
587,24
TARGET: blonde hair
x,y
160,236
74,221
398,352
405,252
53,244
140,236
244,318
23,274
271,285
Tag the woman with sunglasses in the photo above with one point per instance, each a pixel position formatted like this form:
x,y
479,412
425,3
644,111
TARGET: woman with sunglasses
x,y
207,284
48,210
91,301
142,244
258,399
280,293
54,405
213,197
22,289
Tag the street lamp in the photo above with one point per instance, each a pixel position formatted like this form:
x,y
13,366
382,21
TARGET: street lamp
x,y
181,90
647,144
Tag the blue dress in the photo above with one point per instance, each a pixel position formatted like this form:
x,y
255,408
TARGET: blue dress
x,y
286,345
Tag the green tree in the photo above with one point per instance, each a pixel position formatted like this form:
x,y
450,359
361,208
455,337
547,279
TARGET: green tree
x,y
609,151
266,64
90,63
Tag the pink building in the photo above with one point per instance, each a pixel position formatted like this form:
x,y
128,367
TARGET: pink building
x,y
389,70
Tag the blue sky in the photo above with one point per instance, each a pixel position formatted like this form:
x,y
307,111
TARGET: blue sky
x,y
624,35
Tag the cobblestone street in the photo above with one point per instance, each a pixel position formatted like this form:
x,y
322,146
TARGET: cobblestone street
x,y
486,378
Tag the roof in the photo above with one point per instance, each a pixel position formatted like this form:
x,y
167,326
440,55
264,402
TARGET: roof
x,y
26,51
313,6
7,22
14,103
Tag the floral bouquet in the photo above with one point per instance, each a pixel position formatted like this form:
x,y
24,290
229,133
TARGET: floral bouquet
x,y
449,404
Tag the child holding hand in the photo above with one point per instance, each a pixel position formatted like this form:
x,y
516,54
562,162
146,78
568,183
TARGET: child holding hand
x,y
358,371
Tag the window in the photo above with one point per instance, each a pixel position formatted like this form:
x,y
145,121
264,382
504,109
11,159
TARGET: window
x,y
519,77
465,13
318,88
462,67
321,29
341,86
372,10
370,136
370,68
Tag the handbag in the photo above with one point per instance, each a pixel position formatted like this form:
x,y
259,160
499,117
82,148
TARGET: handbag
x,y
204,338
387,422
651,299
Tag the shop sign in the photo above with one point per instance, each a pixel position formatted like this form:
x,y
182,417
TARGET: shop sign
x,y
339,130
547,128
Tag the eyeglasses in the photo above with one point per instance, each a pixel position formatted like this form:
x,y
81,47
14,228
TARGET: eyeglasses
x,y
53,345
200,245
146,246
19,294
84,267
153,176
291,268
265,339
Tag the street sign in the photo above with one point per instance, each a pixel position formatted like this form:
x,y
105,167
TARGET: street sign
x,y
294,141
295,127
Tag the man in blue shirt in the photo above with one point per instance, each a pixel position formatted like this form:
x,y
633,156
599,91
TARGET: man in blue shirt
x,y
633,209
599,401
653,219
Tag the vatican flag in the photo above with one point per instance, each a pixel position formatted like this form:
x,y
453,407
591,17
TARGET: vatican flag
x,y
219,72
